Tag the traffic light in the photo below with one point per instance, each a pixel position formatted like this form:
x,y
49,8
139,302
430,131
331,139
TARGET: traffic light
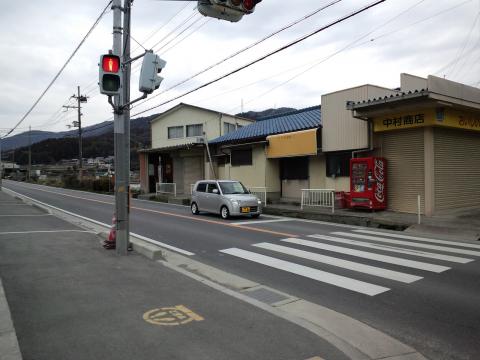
x,y
110,75
151,66
231,10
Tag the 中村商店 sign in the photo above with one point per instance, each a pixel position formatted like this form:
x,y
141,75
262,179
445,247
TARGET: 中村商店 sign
x,y
428,117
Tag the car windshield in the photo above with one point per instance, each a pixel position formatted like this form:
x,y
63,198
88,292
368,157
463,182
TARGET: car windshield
x,y
234,187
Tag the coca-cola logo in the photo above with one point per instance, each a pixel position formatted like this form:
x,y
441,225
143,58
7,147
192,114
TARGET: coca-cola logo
x,y
379,172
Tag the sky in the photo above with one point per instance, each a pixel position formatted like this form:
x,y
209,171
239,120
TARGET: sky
x,y
419,37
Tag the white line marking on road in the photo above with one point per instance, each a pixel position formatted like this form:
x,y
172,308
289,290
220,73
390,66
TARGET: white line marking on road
x,y
305,271
33,215
43,231
390,248
367,255
409,237
155,242
262,221
409,243
345,264
181,251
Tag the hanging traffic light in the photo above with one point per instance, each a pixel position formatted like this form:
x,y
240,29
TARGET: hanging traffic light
x,y
110,74
231,10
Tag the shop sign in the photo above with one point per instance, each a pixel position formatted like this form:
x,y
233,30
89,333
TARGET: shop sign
x,y
429,117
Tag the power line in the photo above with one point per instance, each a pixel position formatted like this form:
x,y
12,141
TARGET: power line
x,y
286,27
187,36
63,67
303,38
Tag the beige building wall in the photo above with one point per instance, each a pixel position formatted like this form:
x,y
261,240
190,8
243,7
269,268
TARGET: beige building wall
x,y
341,131
317,171
411,82
338,184
250,175
213,124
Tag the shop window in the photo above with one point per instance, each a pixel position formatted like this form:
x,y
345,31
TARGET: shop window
x,y
241,157
195,130
175,132
228,128
295,168
338,164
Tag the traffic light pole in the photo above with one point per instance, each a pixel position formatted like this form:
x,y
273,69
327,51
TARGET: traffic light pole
x,y
80,151
122,126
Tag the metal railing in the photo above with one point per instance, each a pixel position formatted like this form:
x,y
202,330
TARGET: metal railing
x,y
166,188
318,198
260,192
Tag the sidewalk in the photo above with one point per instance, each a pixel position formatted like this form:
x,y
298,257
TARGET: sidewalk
x,y
71,299
455,224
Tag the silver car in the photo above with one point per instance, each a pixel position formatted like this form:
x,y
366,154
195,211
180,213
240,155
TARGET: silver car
x,y
227,197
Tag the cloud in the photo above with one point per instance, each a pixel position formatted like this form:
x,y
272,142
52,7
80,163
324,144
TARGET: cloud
x,y
37,39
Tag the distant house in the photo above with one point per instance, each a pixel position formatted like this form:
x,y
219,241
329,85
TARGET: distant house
x,y
179,137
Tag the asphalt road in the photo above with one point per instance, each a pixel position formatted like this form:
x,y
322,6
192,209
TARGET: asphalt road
x,y
424,292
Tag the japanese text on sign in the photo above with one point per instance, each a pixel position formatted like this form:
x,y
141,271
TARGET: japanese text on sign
x,y
406,120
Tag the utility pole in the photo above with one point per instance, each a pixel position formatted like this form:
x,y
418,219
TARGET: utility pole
x,y
80,99
1,165
122,125
29,153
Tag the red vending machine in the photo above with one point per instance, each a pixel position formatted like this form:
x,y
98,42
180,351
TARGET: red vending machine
x,y
368,183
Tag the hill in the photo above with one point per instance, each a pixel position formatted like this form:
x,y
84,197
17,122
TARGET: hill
x,y
258,115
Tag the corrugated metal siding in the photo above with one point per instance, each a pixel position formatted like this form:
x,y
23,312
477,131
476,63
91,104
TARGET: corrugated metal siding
x,y
404,151
457,169
340,130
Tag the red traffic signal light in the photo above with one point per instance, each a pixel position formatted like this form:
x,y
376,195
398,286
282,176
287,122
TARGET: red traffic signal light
x,y
249,5
109,75
111,63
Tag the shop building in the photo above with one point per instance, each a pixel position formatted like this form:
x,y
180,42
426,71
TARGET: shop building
x,y
430,135
178,154
279,153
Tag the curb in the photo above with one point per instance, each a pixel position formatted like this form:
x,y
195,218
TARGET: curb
x,y
9,349
354,338
339,219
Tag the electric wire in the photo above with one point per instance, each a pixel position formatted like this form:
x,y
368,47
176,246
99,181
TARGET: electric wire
x,y
97,21
258,42
285,47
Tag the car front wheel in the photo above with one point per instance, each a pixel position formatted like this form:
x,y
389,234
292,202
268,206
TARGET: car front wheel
x,y
224,213
194,209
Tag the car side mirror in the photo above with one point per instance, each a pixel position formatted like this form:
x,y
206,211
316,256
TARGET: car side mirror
x,y
215,191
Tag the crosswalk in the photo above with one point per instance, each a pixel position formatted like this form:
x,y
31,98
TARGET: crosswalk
x,y
347,251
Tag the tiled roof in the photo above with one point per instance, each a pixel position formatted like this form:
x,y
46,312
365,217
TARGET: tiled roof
x,y
293,121
388,98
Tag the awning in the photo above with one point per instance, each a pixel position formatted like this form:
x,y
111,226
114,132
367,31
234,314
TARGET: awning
x,y
299,143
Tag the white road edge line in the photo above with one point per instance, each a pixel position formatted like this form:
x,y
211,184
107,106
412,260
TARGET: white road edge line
x,y
262,221
409,243
33,215
409,237
311,273
173,248
341,263
43,231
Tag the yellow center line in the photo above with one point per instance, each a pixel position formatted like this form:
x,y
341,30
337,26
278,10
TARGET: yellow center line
x,y
232,225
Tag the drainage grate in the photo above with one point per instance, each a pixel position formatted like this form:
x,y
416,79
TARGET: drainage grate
x,y
266,295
